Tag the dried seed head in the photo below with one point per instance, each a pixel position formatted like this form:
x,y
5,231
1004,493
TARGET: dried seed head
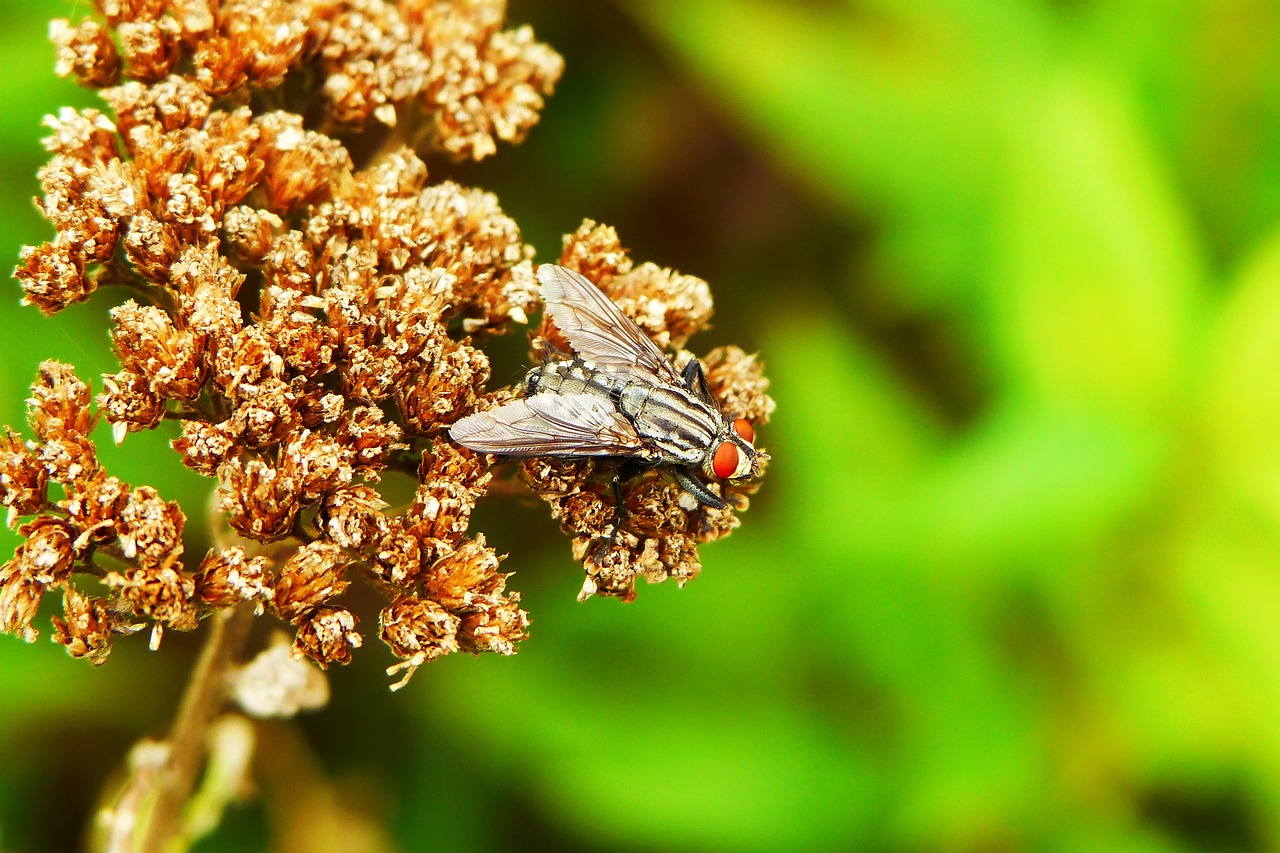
x,y
23,479
49,551
352,516
260,502
328,635
150,529
162,594
86,628
418,631
86,52
309,578
20,597
229,577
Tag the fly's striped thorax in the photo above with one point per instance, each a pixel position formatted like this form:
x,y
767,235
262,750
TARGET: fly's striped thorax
x,y
680,425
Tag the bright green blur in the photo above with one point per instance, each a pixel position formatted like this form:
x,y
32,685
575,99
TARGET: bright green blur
x,y
1013,580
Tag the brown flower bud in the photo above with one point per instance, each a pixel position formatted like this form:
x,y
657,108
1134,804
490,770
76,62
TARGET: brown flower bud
x,y
302,166
150,529
365,431
149,344
228,577
151,47
418,631
86,631
595,251
317,462
20,596
309,578
249,233
23,480
328,636
398,556
669,307
461,578
260,502
52,277
496,625
352,516
204,447
162,594
444,388
171,104
49,552
85,51
94,505
130,403
737,380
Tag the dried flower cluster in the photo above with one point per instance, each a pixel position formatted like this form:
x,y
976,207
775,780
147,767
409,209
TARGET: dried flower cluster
x,y
311,326
664,524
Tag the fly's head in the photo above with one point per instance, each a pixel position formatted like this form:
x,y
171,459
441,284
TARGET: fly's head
x,y
732,456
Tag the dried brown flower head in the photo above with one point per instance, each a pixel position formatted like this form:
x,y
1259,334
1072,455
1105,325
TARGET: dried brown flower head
x,y
312,324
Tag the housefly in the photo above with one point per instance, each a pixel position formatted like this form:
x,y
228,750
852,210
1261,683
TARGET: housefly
x,y
619,397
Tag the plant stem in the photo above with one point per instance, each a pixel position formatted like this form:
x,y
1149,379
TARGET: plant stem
x,y
188,739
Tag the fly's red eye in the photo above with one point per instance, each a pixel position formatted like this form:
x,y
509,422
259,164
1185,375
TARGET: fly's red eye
x,y
743,428
725,462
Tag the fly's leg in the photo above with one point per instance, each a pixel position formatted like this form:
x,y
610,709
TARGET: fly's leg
x,y
698,489
625,472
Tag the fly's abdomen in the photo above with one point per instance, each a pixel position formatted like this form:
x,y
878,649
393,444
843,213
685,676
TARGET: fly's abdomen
x,y
573,377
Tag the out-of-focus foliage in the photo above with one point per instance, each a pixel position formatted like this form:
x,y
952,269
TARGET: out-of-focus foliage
x,y
1014,266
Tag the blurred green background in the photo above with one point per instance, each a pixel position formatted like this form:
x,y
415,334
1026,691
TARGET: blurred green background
x,y
1013,580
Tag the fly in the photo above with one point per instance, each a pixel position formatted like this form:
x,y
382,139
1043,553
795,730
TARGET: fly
x,y
619,397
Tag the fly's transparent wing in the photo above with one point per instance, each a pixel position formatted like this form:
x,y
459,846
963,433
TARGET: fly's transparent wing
x,y
550,425
599,331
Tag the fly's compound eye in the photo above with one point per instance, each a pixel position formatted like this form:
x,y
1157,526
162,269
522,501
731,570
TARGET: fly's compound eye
x,y
725,462
743,428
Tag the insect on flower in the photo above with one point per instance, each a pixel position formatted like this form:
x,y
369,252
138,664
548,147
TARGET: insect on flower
x,y
618,397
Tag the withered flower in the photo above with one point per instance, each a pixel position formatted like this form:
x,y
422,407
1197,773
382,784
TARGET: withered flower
x,y
313,325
